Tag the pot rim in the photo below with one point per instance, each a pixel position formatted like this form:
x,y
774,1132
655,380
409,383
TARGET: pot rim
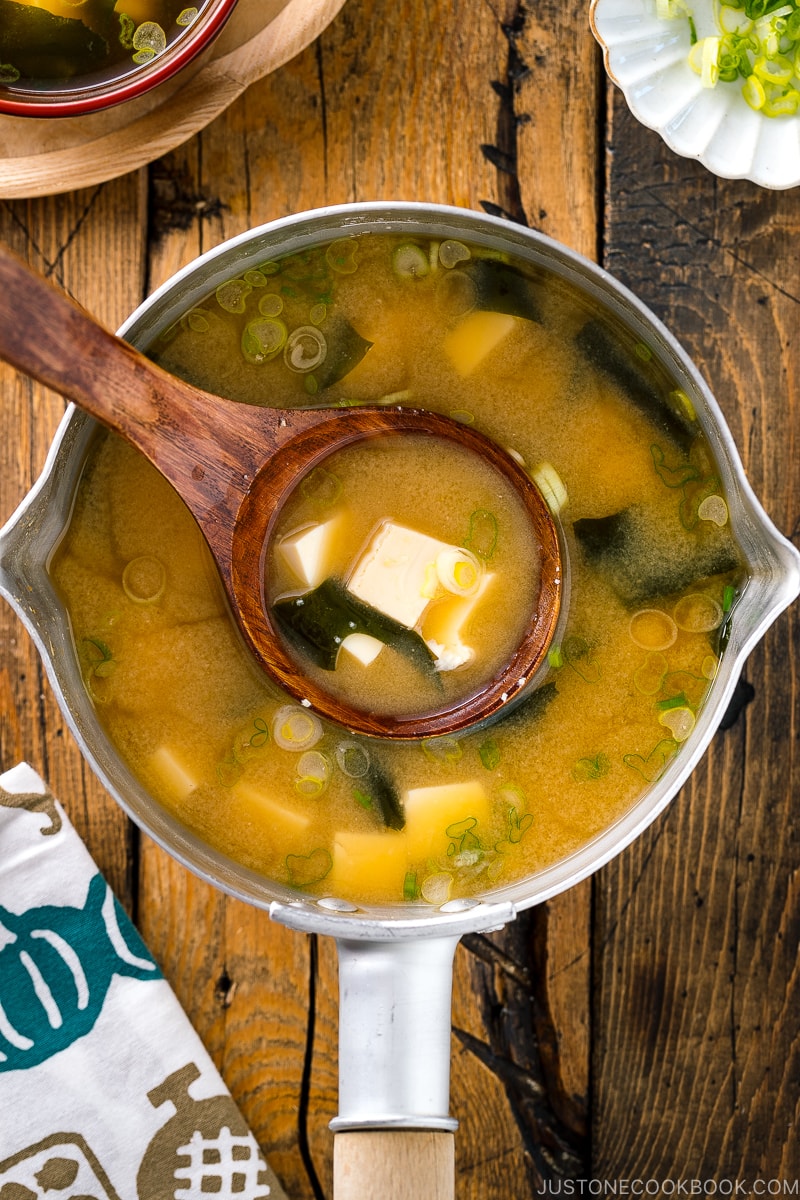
x,y
773,566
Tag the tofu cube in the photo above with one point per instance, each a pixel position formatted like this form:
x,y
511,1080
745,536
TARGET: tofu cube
x,y
308,552
173,773
474,338
362,646
431,811
397,572
283,819
369,864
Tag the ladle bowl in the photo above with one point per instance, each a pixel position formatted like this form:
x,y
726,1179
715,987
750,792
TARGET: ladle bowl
x,y
394,960
235,466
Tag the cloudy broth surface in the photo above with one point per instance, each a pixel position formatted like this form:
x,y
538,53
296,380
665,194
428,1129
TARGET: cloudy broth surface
x,y
431,559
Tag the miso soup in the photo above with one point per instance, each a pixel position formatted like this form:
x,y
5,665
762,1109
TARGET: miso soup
x,y
432,558
52,44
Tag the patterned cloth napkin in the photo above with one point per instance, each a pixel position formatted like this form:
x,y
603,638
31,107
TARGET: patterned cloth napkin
x,y
106,1092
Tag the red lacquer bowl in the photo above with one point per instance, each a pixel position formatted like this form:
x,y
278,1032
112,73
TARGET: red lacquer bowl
x,y
136,69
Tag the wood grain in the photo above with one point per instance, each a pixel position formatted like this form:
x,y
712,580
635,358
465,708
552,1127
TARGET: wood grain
x,y
696,1047
645,1024
72,240
376,1165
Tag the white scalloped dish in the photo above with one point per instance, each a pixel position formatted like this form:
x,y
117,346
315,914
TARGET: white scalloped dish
x,y
648,59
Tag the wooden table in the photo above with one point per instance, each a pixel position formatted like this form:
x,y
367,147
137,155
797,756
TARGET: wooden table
x,y
643,1026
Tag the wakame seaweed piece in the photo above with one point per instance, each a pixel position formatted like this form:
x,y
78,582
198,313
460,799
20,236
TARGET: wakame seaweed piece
x,y
597,343
319,621
346,348
386,802
43,46
644,557
501,288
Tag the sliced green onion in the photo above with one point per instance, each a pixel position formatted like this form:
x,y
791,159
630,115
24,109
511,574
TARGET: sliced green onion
x,y
197,321
580,656
305,349
650,676
126,27
396,397
672,476
144,579
149,36
452,252
483,533
410,888
555,657
709,66
489,752
445,750
322,487
436,888
653,766
698,613
551,485
100,657
353,759
679,721
342,256
410,261
295,728
588,769
709,666
232,294
270,305
314,765
250,740
459,572
754,94
518,825
263,339
652,629
307,869
713,509
759,45
782,106
462,836
313,774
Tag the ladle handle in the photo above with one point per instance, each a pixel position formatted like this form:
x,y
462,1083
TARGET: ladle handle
x,y
180,428
51,338
397,1164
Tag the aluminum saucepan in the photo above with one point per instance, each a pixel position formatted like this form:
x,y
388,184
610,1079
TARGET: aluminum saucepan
x,y
395,963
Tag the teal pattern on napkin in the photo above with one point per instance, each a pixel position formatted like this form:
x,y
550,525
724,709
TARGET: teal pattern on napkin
x,y
56,966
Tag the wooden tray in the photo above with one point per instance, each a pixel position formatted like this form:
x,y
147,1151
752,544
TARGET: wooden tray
x,y
41,157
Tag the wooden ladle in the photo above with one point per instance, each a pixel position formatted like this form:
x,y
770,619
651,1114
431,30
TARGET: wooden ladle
x,y
235,464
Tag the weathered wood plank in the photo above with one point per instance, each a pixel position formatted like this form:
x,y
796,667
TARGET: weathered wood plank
x,y
73,239
696,1021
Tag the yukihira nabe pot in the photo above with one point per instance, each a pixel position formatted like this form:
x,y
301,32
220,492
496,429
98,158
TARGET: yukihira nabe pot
x,y
394,962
